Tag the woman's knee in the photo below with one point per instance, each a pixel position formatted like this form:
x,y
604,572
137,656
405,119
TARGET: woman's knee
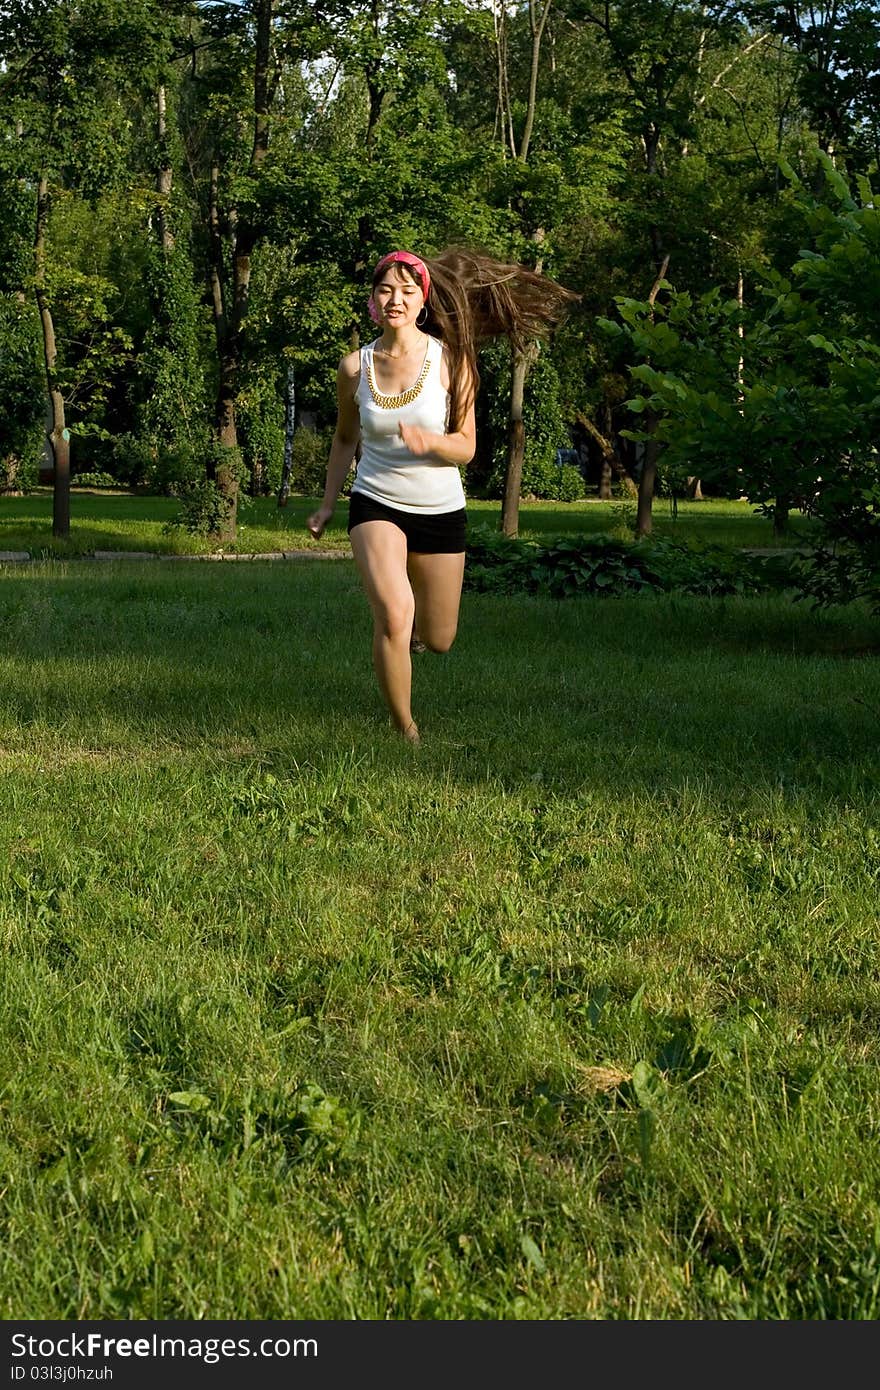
x,y
394,619
439,641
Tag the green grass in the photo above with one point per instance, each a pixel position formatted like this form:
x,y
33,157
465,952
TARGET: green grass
x,y
121,521
570,1013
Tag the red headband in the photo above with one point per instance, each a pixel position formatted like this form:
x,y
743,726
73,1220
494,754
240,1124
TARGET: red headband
x,y
414,262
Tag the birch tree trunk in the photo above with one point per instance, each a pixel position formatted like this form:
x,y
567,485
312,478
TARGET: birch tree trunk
x,y
56,429
164,174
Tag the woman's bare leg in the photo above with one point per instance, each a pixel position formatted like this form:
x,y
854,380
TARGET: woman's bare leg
x,y
379,549
436,583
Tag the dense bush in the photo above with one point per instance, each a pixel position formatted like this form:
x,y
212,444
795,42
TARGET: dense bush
x,y
22,395
563,568
260,416
204,511
310,452
204,507
545,429
94,479
546,481
571,566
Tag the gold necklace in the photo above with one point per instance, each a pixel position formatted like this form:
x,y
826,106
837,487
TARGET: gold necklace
x,y
405,397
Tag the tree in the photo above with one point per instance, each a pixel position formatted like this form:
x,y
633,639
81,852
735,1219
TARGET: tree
x,y
68,70
837,48
792,406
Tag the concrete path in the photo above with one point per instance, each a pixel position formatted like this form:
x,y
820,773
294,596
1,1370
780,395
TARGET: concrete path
x,y
23,556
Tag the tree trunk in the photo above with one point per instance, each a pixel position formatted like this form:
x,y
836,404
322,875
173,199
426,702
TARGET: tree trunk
x,y
781,507
503,120
56,432
538,12
376,81
611,461
648,476
522,359
694,489
229,320
647,479
289,416
163,174
605,493
516,444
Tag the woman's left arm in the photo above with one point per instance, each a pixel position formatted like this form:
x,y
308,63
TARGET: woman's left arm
x,y
459,447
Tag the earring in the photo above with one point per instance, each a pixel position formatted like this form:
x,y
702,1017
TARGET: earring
x,y
423,310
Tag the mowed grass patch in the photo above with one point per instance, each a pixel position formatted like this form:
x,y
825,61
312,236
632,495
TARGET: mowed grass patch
x,y
571,1012
124,521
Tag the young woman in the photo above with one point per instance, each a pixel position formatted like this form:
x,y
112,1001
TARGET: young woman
x,y
408,399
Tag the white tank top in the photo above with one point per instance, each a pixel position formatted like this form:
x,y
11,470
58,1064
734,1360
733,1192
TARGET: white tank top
x,y
387,471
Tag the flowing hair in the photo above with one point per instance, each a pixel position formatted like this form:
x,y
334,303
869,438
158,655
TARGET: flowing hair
x,y
474,298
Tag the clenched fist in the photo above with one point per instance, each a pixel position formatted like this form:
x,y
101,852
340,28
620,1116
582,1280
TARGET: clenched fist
x,y
419,442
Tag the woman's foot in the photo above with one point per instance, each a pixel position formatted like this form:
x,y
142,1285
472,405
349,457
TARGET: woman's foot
x,y
411,732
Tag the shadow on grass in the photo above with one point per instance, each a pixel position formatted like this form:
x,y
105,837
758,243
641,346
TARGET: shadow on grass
x,y
643,696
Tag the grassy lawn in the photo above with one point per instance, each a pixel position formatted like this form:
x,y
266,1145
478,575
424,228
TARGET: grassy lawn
x,y
570,1013
121,521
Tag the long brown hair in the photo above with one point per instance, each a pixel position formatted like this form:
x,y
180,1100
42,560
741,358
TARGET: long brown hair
x,y
473,298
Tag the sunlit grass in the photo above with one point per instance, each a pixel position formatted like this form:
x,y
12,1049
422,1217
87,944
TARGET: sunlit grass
x,y
122,521
569,1013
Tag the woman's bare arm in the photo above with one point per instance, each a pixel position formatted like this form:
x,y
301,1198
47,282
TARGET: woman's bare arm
x,y
458,447
345,441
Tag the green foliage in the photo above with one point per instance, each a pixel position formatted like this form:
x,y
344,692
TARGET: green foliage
x,y
205,504
204,510
140,462
94,347
170,390
713,572
22,393
310,451
548,481
94,480
572,567
544,423
260,415
799,422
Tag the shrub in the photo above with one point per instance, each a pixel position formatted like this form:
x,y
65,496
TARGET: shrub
x,y
94,479
310,451
571,566
545,480
563,568
19,472
260,415
204,509
568,567
22,395
711,571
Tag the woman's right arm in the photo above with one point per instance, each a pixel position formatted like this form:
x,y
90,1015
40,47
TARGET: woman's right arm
x,y
345,441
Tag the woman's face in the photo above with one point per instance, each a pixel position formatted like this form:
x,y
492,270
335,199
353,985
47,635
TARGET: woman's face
x,y
397,297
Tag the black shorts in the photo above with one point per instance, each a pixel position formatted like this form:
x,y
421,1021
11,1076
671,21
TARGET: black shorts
x,y
442,533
